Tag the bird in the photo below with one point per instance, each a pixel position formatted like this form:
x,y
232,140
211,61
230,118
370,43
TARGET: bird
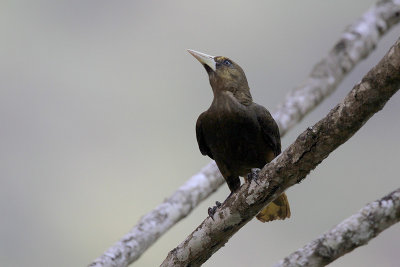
x,y
239,134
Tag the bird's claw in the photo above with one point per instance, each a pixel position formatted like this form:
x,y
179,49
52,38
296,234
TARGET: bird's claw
x,y
211,211
253,175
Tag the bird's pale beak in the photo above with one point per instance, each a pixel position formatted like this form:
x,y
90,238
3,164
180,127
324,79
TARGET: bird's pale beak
x,y
204,59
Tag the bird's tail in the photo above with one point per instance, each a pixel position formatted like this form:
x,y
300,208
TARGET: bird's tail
x,y
278,209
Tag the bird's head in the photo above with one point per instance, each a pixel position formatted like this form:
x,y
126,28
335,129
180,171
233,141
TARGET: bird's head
x,y
225,75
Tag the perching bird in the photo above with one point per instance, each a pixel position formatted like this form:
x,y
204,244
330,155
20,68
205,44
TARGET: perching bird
x,y
237,133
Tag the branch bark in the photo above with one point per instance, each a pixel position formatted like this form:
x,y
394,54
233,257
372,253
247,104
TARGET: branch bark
x,y
353,232
291,167
357,42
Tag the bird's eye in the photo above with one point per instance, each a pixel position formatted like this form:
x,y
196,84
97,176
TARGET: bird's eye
x,y
227,62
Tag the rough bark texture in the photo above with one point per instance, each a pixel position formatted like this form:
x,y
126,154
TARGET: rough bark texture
x,y
357,42
353,232
310,148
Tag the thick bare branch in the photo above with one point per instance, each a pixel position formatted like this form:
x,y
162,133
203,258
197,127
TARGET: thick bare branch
x,y
356,42
310,148
353,232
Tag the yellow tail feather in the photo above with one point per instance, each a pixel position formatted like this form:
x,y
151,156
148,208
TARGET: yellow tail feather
x,y
278,209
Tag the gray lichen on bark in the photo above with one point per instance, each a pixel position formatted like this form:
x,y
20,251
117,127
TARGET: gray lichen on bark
x,y
353,232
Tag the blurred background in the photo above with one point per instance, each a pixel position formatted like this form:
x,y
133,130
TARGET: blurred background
x,y
98,104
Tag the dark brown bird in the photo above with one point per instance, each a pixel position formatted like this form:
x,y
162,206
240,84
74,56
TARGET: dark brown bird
x,y
237,133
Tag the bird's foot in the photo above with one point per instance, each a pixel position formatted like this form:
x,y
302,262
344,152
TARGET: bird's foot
x,y
211,211
253,175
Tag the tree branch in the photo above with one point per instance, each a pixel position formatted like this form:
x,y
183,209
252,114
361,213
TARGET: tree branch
x,y
357,42
353,232
291,167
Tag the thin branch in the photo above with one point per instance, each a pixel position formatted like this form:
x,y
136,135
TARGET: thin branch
x,y
353,232
310,148
357,42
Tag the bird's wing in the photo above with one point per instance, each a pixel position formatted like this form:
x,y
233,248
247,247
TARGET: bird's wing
x,y
204,149
270,129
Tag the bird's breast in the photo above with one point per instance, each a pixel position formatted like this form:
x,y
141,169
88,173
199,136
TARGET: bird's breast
x,y
234,137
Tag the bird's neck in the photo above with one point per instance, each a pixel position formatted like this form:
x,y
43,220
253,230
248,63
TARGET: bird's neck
x,y
244,97
222,98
